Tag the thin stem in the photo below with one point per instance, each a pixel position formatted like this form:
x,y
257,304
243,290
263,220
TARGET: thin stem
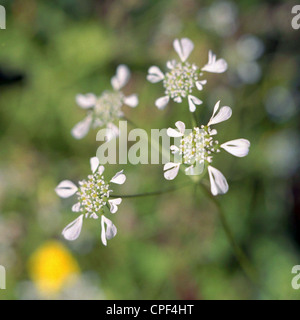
x,y
240,255
130,122
152,193
194,119
243,260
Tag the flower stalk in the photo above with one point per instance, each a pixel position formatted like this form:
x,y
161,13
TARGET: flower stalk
x,y
239,253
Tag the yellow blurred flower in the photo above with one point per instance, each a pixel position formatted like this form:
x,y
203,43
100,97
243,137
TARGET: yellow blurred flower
x,y
51,267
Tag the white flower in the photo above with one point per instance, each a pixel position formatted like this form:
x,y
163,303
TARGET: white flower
x,y
197,148
182,77
105,109
93,196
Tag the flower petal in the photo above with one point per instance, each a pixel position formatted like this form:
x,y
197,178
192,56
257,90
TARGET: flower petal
x,y
94,164
178,99
119,178
171,64
238,147
171,170
82,128
86,101
193,101
218,183
180,126
112,131
114,204
66,189
110,231
200,84
214,65
216,108
174,133
132,100
162,102
121,78
174,149
155,74
94,216
72,231
223,115
101,170
183,47
76,207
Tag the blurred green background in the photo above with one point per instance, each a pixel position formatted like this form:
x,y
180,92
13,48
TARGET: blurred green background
x,y
172,246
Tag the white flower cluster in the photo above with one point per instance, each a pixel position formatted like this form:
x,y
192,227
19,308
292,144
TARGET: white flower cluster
x,y
93,196
198,148
104,110
183,77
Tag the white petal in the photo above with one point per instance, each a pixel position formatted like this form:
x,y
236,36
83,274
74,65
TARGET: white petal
x,y
66,189
183,47
213,132
94,164
119,178
132,100
110,231
72,230
193,101
101,170
216,108
171,64
86,101
174,133
178,99
218,182
76,207
162,102
112,131
82,128
171,170
181,126
238,147
200,84
114,204
121,78
155,74
174,149
223,115
214,65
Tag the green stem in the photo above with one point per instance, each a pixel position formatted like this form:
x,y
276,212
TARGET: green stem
x,y
152,193
242,259
239,253
193,119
